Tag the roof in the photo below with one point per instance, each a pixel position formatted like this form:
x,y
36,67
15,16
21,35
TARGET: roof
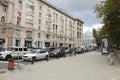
x,y
60,10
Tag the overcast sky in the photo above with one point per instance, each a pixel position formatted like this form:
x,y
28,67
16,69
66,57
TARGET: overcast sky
x,y
83,9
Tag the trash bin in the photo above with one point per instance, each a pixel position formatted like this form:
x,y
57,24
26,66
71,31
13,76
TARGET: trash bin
x,y
11,64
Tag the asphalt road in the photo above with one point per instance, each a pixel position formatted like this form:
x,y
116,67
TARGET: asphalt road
x,y
89,66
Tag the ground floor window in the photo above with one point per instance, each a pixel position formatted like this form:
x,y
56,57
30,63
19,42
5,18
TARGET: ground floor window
x,y
28,44
61,45
47,44
39,44
69,45
2,43
17,43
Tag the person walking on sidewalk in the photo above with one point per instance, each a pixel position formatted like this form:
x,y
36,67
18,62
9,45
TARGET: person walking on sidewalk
x,y
111,58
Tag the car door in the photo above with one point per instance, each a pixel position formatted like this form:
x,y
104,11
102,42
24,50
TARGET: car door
x,y
37,55
42,54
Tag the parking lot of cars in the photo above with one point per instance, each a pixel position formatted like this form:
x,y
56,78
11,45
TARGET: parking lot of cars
x,y
26,56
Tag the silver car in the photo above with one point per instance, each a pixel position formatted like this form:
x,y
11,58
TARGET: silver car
x,y
36,55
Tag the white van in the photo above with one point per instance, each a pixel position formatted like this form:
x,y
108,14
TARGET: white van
x,y
12,52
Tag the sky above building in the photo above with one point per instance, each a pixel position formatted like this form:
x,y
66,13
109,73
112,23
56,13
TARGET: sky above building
x,y
82,9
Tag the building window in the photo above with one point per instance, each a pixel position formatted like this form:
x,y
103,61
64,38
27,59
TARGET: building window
x,y
40,7
20,4
30,3
30,10
4,9
29,17
18,32
3,19
53,37
4,31
28,44
39,27
39,35
29,34
17,43
56,17
29,25
53,17
39,21
47,36
39,14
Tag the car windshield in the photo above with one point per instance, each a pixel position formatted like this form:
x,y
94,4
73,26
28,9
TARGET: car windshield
x,y
34,52
56,50
66,50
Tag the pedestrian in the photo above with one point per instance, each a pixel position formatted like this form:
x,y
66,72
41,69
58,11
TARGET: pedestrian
x,y
111,58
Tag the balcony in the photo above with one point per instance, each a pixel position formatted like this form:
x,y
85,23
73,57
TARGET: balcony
x,y
4,2
48,32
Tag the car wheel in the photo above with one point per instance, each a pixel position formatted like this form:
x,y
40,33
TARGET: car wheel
x,y
8,57
33,60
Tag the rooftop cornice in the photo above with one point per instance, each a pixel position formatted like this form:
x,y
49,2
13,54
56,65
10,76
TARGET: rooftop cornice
x,y
60,10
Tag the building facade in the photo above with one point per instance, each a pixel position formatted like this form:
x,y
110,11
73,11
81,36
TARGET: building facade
x,y
88,40
37,23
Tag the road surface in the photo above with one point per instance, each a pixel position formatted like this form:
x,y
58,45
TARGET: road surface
x,y
89,66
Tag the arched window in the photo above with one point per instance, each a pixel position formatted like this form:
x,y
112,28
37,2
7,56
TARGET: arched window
x,y
3,19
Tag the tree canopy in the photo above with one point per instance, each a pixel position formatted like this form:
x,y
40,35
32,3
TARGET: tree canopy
x,y
109,11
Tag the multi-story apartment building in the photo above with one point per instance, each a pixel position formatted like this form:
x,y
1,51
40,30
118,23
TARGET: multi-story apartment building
x,y
37,23
88,40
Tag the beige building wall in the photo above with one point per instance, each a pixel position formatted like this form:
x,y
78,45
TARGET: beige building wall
x,y
51,26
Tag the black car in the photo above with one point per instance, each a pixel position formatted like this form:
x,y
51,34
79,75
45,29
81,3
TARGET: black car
x,y
78,51
59,52
70,51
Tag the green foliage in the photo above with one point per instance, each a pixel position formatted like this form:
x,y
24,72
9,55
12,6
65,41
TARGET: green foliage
x,y
97,37
109,10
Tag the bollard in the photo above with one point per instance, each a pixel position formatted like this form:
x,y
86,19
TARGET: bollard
x,y
33,59
11,64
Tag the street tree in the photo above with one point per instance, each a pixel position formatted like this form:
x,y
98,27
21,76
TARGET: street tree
x,y
97,37
109,11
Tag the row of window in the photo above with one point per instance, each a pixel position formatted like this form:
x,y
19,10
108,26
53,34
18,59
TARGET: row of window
x,y
29,34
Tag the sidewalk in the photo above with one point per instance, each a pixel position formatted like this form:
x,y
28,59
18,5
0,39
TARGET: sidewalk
x,y
89,66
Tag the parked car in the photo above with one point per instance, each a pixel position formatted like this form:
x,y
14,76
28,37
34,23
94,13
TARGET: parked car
x,y
67,51
72,51
36,55
57,53
50,49
12,52
78,51
5,53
